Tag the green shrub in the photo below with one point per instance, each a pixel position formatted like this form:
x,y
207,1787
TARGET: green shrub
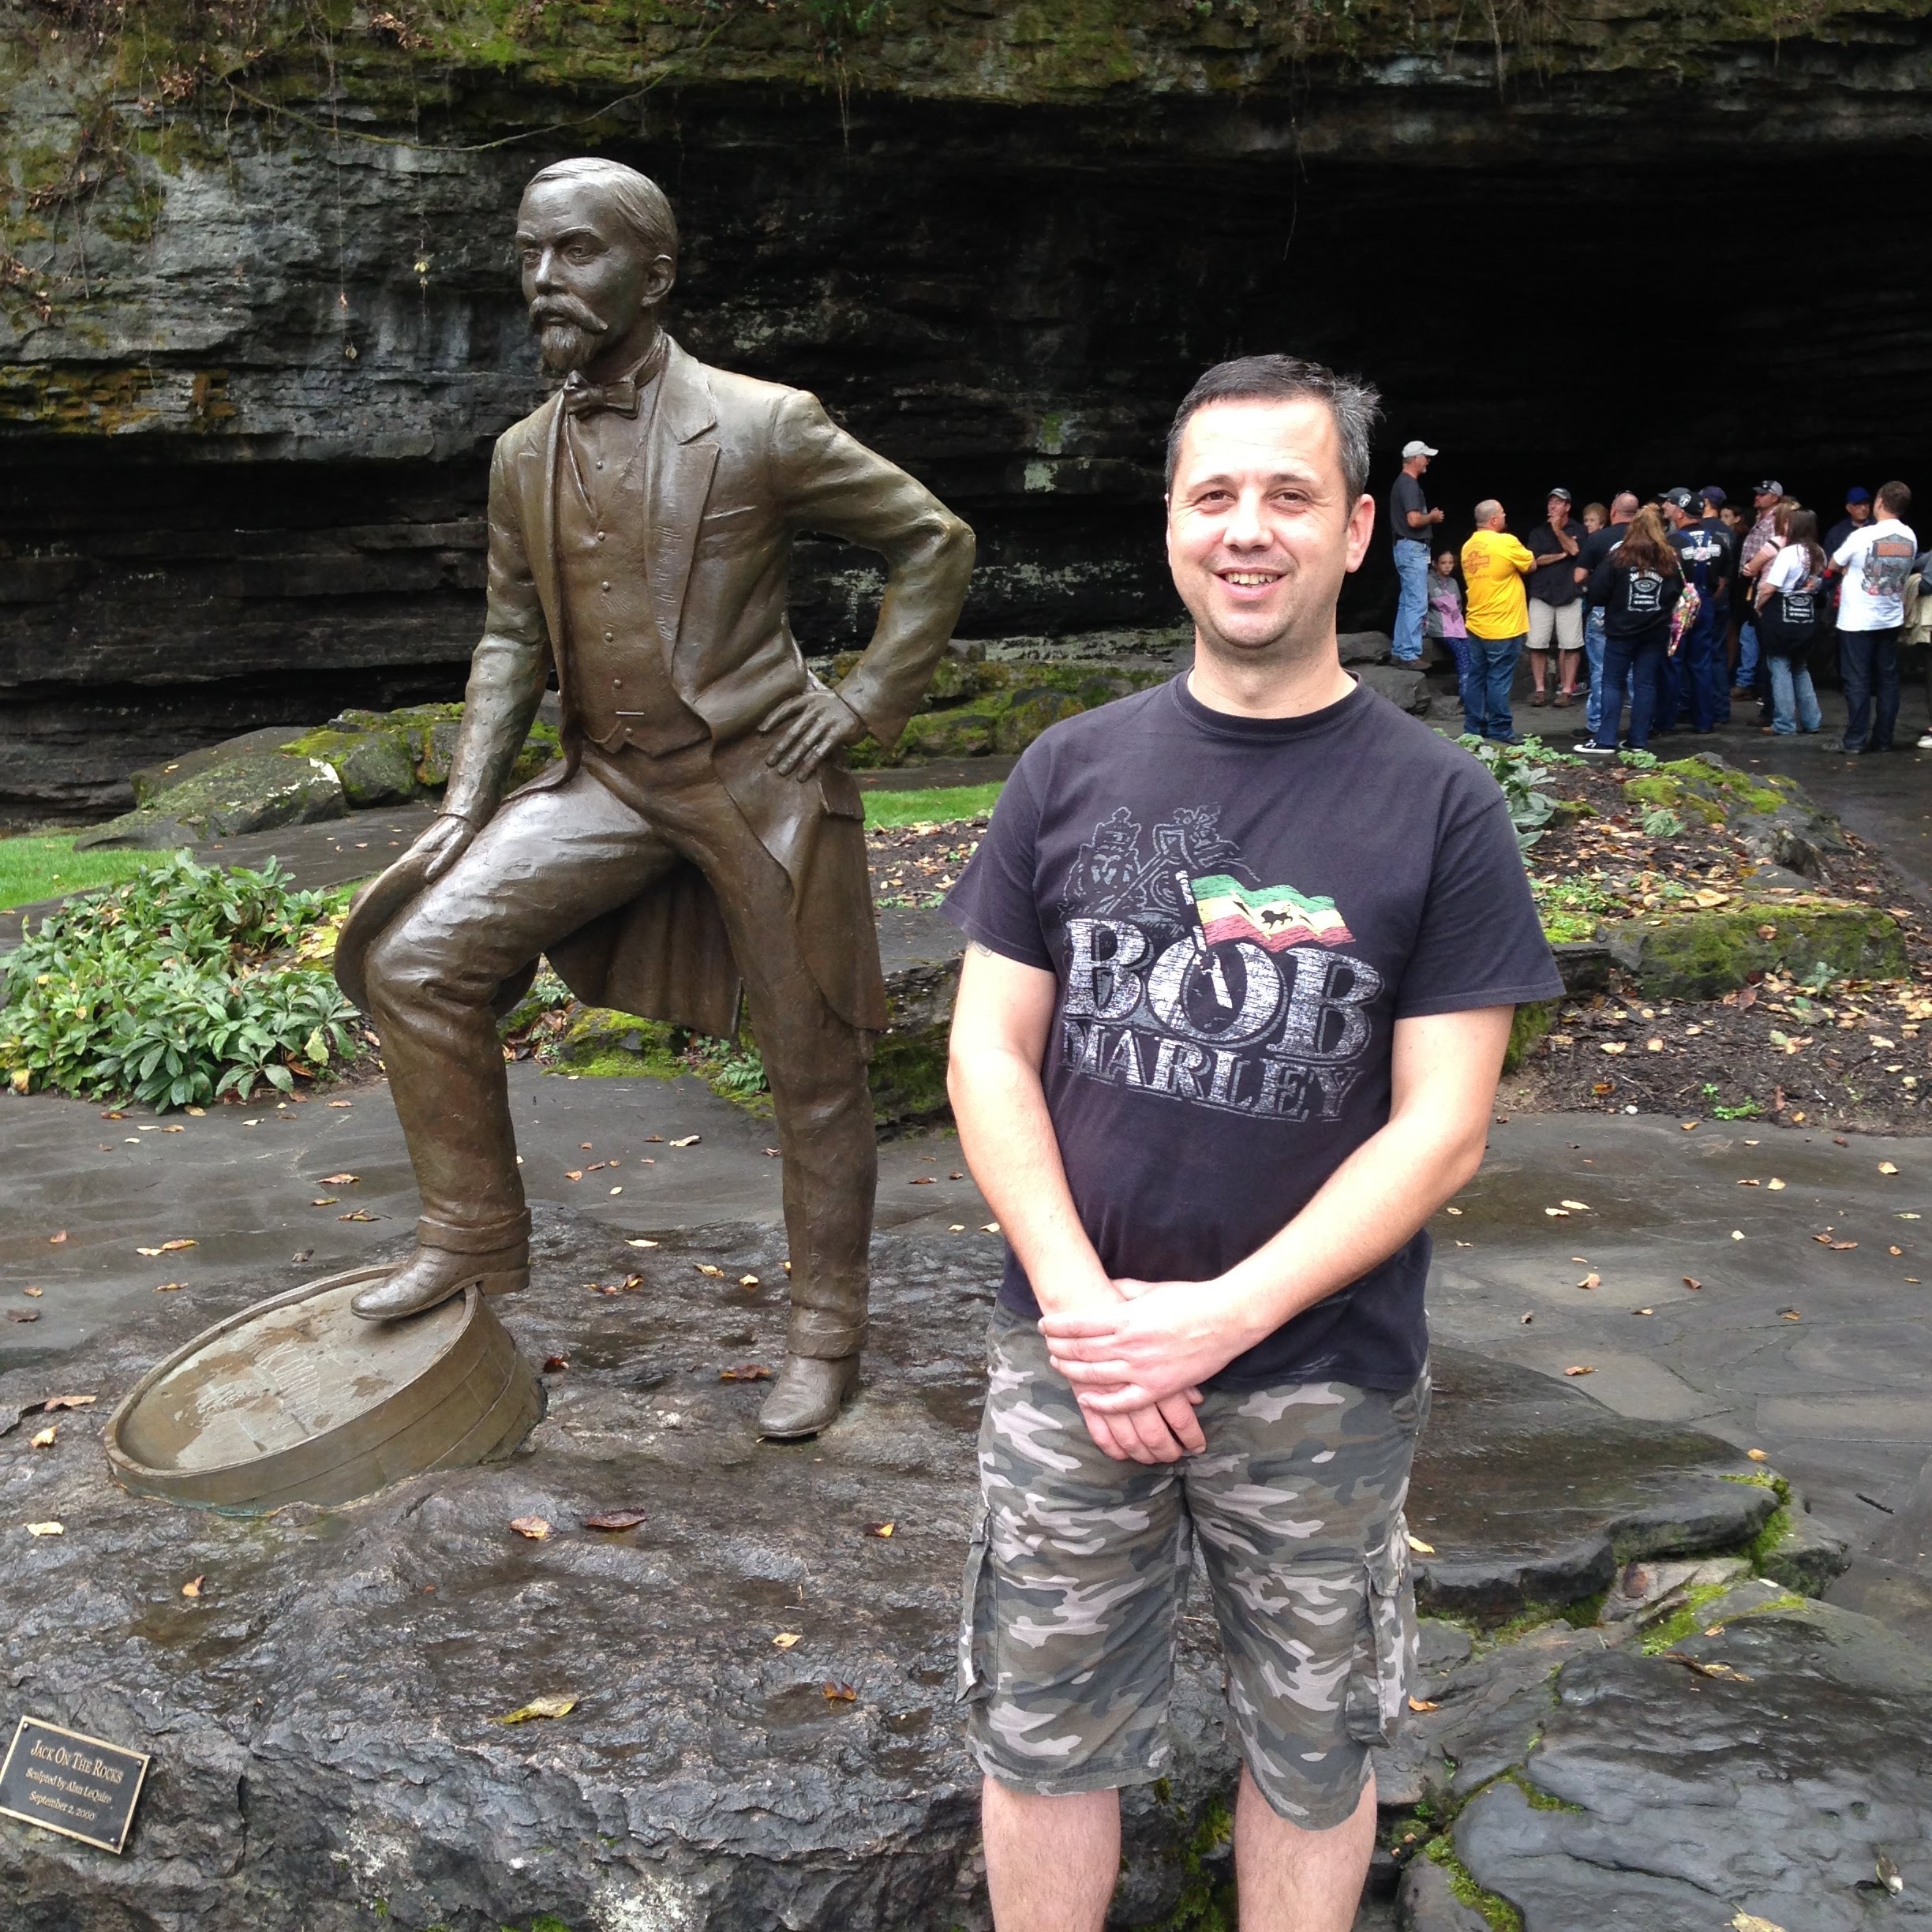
x,y
174,990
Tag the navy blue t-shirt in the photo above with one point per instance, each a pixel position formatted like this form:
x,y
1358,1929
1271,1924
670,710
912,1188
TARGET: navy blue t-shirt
x,y
1238,910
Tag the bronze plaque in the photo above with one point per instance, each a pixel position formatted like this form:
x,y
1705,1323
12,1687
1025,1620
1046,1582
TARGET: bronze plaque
x,y
81,1787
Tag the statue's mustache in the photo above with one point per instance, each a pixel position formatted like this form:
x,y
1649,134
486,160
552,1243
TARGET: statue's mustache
x,y
566,309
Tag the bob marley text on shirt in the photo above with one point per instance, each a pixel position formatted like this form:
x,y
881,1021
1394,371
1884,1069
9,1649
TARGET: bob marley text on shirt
x,y
1187,977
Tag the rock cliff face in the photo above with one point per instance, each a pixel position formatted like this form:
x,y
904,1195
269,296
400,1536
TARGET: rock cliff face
x,y
258,325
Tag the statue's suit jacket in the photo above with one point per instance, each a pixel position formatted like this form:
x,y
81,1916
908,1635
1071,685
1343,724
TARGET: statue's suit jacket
x,y
734,471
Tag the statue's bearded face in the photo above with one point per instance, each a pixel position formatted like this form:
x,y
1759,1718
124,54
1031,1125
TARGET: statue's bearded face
x,y
585,273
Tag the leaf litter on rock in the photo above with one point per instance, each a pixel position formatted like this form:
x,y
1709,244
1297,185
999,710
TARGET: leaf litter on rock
x,y
534,1527
538,1707
615,1519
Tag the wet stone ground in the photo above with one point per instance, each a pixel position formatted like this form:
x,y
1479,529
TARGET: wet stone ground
x,y
325,1711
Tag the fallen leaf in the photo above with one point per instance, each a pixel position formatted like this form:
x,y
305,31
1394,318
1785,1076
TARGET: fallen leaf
x,y
1424,1704
33,1294
1578,1206
640,1243
956,1174
1643,1311
923,1180
538,1707
1706,897
1839,1247
1611,1046
616,1190
1653,1046
1713,1669
1415,1544
878,1530
1737,1233
1527,1320
1453,1211
615,1519
1790,1315
1688,1126
1557,1214
1691,1282
534,1527
653,1140
326,1200
785,1639
45,1438
192,1586
1757,1456
689,1140
169,1287
54,1241
747,1281
991,1227
340,1179
707,1267
958,1227
23,1315
173,1247
149,1252
69,1402
1775,1185
1582,1369
839,1693
1591,1280
1887,1167
335,1103
358,1216
574,1174
1888,1875
1750,1921
1750,1183
747,1372
173,1129
556,1364
46,1529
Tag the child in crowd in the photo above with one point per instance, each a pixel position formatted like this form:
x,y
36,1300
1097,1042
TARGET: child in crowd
x,y
1444,621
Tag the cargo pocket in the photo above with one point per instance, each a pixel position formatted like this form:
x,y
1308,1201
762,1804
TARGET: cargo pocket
x,y
975,1630
1378,1688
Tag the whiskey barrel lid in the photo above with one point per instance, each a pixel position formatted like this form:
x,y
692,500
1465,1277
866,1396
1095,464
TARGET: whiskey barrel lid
x,y
298,1399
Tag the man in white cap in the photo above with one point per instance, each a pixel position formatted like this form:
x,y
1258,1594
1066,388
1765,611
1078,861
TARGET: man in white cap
x,y
1412,523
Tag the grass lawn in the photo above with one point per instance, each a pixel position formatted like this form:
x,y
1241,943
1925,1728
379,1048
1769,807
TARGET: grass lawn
x,y
37,868
935,806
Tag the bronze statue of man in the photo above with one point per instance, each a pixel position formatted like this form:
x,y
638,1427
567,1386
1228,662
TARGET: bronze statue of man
x,y
701,838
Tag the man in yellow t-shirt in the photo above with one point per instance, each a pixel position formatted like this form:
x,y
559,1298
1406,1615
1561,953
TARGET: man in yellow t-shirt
x,y
1494,566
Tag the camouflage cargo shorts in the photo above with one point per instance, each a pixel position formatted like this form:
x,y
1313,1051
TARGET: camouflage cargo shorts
x,y
1075,1576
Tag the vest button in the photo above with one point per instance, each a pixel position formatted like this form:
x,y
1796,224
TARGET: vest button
x,y
604,585
617,683
600,535
608,636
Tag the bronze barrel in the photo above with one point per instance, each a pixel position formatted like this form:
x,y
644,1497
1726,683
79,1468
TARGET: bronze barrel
x,y
298,1400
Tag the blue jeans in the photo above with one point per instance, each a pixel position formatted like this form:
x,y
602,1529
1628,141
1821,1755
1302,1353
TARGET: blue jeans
x,y
1593,650
1747,656
1496,658
1642,660
1793,701
1469,681
1704,676
1411,566
1868,662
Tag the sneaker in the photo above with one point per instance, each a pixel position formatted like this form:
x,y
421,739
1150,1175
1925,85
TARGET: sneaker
x,y
1590,748
1504,737
1924,743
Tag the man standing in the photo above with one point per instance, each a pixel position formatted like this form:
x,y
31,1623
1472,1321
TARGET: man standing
x,y
1761,538
1876,559
1591,551
1703,546
1555,612
1222,1044
1494,565
1412,523
701,835
1858,514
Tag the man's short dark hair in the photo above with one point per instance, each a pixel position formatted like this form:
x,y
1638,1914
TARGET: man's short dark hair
x,y
1354,404
642,204
1894,498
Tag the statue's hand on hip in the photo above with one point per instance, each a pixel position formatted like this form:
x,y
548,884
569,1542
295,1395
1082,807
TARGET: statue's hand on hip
x,y
813,725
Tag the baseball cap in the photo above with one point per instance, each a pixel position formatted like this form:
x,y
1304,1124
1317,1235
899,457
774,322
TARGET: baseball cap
x,y
1857,494
1418,447
1563,493
1772,488
1714,495
1678,498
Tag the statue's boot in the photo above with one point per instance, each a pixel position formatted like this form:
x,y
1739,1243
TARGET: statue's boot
x,y
432,1275
807,1395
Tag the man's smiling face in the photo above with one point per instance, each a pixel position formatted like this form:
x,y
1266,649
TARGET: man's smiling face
x,y
1261,527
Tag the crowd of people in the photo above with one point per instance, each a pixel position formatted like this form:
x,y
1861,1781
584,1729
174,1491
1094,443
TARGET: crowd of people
x,y
1673,608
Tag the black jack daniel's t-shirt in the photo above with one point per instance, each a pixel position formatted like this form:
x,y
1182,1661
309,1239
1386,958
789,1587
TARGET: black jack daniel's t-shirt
x,y
1238,911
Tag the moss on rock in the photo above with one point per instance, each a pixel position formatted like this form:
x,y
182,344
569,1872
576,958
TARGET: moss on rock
x,y
1704,954
1532,1021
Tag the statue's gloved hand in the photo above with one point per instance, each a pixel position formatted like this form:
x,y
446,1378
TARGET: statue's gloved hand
x,y
439,848
813,724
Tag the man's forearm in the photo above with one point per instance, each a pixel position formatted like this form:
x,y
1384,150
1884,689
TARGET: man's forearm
x,y
1367,1208
1008,1139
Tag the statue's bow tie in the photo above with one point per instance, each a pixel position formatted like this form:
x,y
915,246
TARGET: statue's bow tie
x,y
580,398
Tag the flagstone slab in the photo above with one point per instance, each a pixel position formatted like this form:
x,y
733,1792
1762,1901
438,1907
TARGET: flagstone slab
x,y
325,1711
